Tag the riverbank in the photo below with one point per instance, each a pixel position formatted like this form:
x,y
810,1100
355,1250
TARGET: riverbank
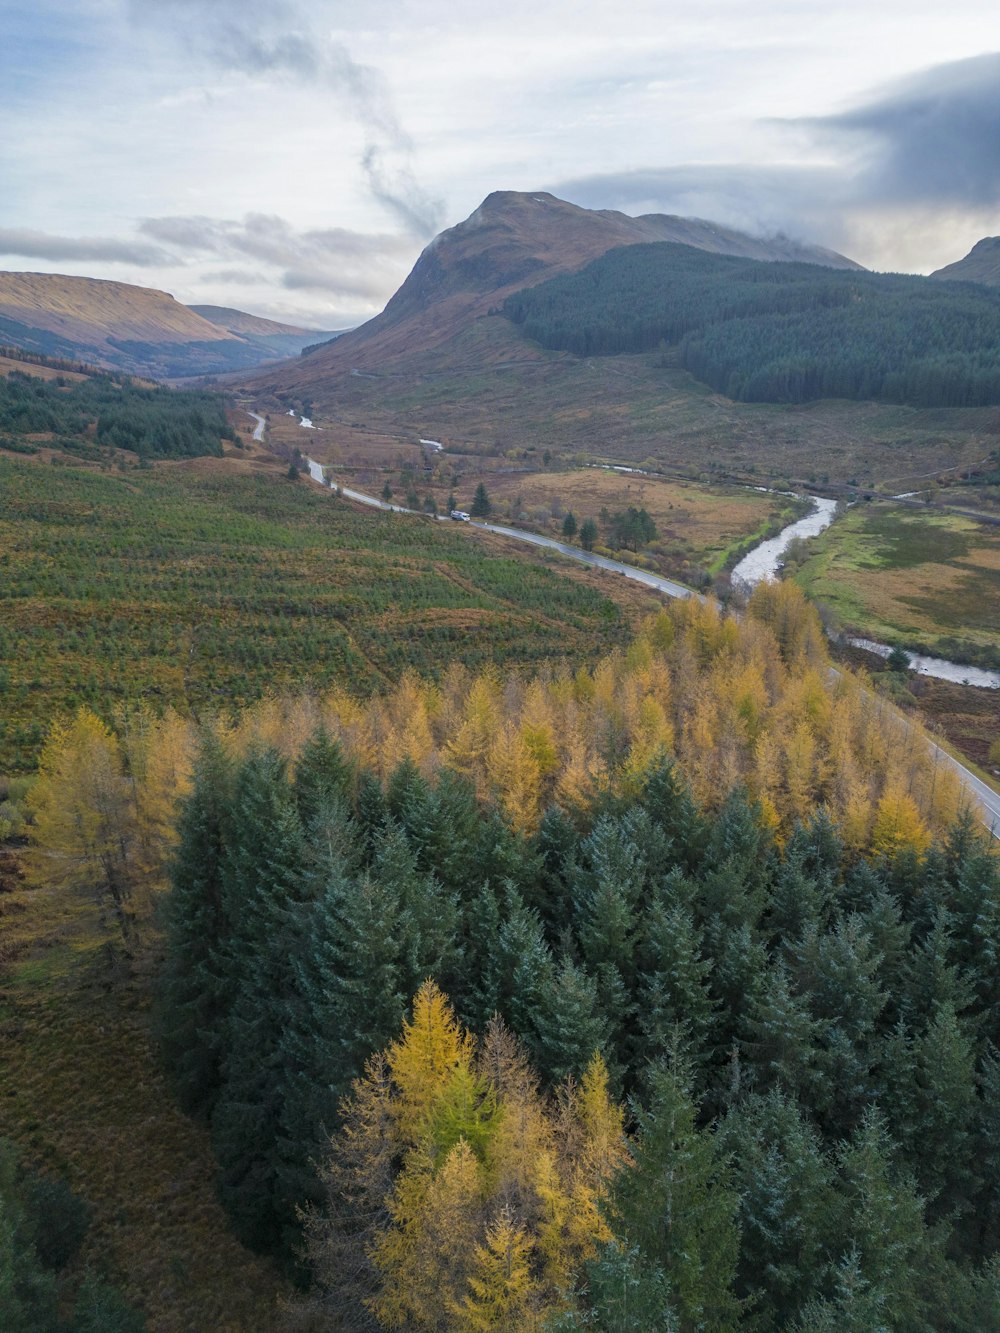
x,y
924,581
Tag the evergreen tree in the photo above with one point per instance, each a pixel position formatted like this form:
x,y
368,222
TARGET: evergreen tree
x,y
481,507
568,1023
569,525
262,884
194,988
323,776
786,1192
677,1208
588,534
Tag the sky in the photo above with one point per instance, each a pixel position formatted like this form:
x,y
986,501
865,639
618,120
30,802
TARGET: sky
x,y
293,157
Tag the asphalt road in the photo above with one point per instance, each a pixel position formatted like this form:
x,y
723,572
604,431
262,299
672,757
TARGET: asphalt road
x,y
987,800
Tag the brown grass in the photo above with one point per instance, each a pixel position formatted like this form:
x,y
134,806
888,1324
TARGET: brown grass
x,y
82,1094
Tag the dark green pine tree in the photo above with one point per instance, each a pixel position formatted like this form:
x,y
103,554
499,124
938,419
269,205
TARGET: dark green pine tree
x,y
568,1024
838,972
481,507
785,1187
194,991
323,776
667,800
520,965
263,884
780,1051
442,825
676,1207
673,992
345,1002
932,976
623,1292
28,1293
882,1235
372,812
987,1131
946,1108
569,525
429,916
559,847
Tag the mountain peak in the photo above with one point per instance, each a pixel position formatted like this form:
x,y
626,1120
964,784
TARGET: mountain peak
x,y
514,239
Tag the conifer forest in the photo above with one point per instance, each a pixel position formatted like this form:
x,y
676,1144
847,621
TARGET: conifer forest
x,y
655,995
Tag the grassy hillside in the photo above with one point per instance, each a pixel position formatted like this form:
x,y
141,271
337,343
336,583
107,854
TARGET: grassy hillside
x,y
204,586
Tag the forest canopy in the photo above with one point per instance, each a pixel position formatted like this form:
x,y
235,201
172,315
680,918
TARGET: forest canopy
x,y
153,422
776,332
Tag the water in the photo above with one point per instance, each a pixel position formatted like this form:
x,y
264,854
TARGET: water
x,y
763,561
938,667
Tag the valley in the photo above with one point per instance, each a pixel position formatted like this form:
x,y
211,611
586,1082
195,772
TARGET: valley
x,y
324,743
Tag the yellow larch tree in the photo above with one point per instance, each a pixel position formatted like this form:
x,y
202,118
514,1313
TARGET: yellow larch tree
x,y
85,827
502,1289
430,1050
898,825
427,1256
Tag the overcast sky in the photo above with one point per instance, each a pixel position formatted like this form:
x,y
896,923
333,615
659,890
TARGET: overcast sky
x,y
292,157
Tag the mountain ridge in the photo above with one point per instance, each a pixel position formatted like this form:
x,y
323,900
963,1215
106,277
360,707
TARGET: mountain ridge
x,y
513,240
981,264
139,330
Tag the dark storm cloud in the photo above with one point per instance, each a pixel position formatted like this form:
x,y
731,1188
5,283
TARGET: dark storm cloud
x,y
30,244
278,39
350,263
932,138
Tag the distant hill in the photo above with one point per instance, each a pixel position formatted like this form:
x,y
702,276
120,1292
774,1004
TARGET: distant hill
x,y
138,330
981,264
274,340
512,241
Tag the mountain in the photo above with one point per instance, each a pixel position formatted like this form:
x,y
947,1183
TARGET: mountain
x,y
981,264
274,340
512,241
136,329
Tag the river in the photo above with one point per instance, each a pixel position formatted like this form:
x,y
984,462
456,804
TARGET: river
x,y
763,562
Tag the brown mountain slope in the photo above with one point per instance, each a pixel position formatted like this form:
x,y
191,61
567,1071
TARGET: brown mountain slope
x,y
511,241
239,322
981,264
138,330
93,312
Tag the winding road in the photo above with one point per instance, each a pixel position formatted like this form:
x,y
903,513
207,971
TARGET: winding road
x,y
984,797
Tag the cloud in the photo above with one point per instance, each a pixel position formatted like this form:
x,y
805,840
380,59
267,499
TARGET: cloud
x,y
760,200
351,264
931,138
898,176
29,244
278,39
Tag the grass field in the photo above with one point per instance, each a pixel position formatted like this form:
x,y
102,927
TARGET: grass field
x,y
703,528
82,1094
207,583
924,580
490,390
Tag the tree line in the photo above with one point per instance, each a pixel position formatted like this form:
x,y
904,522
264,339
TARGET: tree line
x,y
115,412
807,1042
777,332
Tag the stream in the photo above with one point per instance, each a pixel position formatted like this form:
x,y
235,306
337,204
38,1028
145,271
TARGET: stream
x,y
763,563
